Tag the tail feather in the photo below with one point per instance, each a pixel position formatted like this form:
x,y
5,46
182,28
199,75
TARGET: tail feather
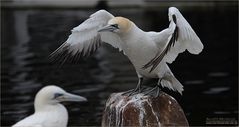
x,y
172,83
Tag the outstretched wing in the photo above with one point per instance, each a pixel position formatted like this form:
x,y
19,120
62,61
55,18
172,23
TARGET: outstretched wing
x,y
174,40
84,39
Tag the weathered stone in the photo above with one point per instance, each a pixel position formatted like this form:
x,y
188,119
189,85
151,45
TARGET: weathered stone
x,y
143,110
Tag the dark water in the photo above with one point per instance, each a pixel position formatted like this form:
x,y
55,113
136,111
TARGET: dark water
x,y
29,36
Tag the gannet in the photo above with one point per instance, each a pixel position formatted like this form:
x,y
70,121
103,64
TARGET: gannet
x,y
48,110
149,52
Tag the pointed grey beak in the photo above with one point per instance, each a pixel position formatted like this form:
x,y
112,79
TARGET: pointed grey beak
x,y
72,97
107,28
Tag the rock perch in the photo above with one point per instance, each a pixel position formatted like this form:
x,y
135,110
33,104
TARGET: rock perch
x,y
143,110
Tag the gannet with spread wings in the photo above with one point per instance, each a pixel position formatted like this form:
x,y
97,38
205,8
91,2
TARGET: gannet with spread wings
x,y
149,52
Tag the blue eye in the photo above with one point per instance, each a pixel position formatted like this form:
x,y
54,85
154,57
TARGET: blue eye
x,y
56,95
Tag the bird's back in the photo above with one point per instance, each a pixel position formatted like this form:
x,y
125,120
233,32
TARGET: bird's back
x,y
31,121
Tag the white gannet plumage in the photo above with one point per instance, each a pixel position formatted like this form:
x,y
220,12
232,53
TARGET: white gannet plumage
x,y
48,110
149,52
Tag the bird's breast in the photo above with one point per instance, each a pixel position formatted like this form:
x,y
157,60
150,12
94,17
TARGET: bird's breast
x,y
57,117
140,51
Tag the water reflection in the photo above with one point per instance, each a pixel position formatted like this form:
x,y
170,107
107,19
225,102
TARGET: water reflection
x,y
218,74
216,90
194,82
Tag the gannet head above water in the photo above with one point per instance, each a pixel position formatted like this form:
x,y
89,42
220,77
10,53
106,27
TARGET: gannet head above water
x,y
53,95
117,25
48,110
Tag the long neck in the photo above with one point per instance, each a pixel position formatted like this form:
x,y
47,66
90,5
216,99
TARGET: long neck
x,y
127,33
41,104
132,35
56,111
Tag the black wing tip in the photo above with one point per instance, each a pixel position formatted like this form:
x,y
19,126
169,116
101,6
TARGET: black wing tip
x,y
66,57
147,65
158,58
174,18
62,55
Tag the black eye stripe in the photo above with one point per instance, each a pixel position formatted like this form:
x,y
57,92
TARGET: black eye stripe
x,y
115,25
57,95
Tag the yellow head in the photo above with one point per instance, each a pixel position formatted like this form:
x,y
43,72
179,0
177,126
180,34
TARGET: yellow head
x,y
117,25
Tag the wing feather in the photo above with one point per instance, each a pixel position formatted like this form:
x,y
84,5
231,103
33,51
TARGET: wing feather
x,y
84,39
182,38
187,38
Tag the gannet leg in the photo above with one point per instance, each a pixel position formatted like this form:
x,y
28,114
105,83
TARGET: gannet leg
x,y
157,88
138,88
